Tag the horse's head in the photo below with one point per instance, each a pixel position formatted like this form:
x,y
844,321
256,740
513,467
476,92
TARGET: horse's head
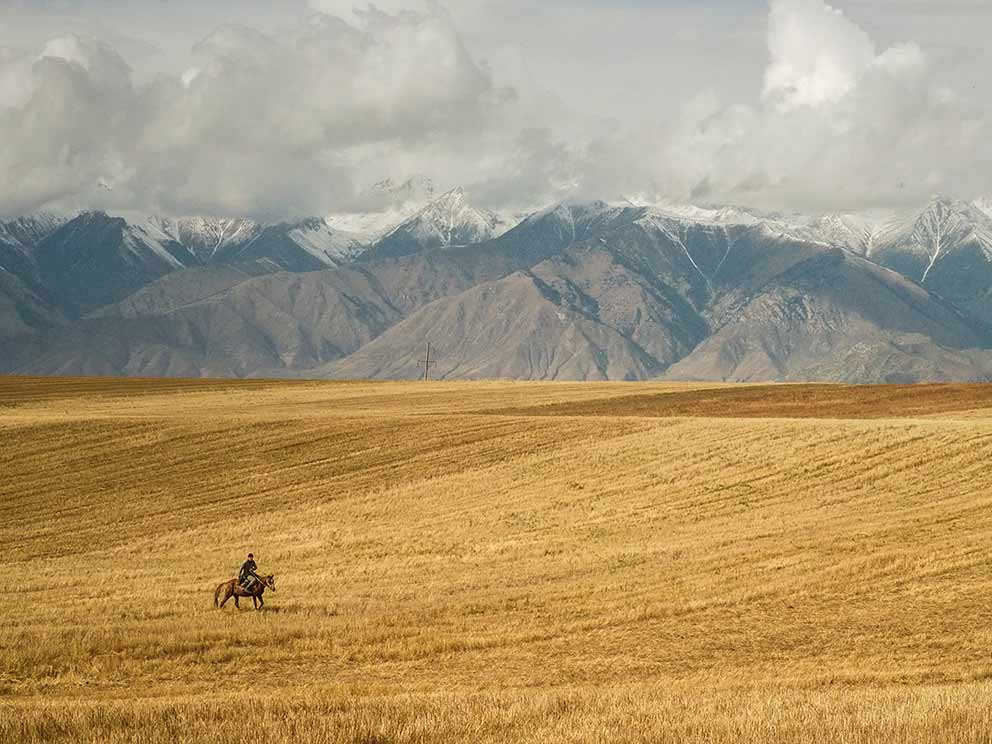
x,y
270,582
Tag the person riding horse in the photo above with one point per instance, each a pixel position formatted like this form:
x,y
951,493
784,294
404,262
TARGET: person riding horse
x,y
247,576
233,588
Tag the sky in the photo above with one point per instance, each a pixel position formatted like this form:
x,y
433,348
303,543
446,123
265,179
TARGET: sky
x,y
298,107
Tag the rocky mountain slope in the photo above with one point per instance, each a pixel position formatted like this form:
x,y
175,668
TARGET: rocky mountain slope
x,y
22,311
947,248
271,325
574,291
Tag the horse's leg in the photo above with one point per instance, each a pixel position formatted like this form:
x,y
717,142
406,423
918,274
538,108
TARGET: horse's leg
x,y
227,596
261,603
236,602
254,601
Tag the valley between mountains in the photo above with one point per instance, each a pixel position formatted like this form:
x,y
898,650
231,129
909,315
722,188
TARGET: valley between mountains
x,y
575,291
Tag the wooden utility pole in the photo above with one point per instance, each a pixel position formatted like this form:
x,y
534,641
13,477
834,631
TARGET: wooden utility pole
x,y
427,363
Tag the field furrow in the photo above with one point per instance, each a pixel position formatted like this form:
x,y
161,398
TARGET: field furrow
x,y
495,562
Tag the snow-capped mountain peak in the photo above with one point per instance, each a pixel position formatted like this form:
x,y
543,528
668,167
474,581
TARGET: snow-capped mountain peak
x,y
203,236
946,224
384,205
921,243
450,220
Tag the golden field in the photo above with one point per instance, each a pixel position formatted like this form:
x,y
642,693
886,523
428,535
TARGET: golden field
x,y
495,562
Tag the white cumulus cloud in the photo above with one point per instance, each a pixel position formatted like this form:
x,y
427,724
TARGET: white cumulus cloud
x,y
280,123
840,126
817,54
260,125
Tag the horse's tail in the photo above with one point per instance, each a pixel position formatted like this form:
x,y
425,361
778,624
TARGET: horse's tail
x,y
217,594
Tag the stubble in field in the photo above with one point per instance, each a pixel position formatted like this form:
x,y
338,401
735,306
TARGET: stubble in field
x,y
495,562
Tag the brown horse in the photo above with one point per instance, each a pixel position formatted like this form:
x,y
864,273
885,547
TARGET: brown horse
x,y
232,588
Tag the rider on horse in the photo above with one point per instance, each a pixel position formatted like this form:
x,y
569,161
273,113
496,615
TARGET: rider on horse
x,y
247,576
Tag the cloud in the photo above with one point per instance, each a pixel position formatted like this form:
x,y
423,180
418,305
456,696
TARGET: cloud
x,y
817,55
282,124
65,123
260,125
840,126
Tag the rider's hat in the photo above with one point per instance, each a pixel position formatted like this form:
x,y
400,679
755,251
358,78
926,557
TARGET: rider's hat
x,y
251,555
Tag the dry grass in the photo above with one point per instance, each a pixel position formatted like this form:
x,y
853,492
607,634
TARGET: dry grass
x,y
495,562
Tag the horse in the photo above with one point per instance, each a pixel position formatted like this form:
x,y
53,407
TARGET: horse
x,y
231,588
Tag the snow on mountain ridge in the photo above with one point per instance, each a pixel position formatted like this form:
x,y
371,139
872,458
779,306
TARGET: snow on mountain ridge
x,y
30,229
853,231
207,236
328,245
201,236
136,238
928,233
370,226
387,205
946,224
857,232
568,210
446,222
722,215
450,220
210,238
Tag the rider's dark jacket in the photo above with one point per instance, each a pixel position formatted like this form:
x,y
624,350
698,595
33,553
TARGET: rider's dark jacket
x,y
247,569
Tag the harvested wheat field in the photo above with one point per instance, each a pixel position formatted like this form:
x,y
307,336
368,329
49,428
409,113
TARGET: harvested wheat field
x,y
495,562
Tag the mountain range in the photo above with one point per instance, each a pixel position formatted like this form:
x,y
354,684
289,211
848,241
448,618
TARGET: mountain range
x,y
577,290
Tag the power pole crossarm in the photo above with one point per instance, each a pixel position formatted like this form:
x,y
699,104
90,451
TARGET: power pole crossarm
x,y
427,363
